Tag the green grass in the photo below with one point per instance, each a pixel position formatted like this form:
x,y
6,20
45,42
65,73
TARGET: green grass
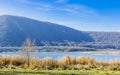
x,y
56,72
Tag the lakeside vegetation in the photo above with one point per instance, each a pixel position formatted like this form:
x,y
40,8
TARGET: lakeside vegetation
x,y
66,63
29,65
65,66
57,72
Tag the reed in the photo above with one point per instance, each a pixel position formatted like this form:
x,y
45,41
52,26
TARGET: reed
x,y
17,61
85,60
66,62
49,63
4,61
36,63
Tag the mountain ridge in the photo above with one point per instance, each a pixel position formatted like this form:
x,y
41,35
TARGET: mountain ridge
x,y
15,29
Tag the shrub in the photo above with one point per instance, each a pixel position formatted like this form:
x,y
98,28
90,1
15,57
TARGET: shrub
x,y
85,63
49,63
36,63
85,60
17,61
4,61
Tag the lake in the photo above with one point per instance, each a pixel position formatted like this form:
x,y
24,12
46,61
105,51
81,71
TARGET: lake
x,y
55,55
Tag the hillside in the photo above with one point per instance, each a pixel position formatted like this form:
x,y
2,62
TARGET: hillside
x,y
14,30
105,40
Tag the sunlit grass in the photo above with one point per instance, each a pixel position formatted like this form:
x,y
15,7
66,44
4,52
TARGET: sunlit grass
x,y
65,63
58,72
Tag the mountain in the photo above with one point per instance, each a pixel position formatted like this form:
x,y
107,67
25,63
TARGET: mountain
x,y
15,29
105,40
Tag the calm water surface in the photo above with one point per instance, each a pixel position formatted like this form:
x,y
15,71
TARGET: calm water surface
x,y
101,57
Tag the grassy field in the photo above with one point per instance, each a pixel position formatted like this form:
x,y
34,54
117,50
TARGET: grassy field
x,y
57,72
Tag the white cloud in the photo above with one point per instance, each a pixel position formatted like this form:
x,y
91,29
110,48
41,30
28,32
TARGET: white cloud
x,y
40,6
45,7
81,8
73,9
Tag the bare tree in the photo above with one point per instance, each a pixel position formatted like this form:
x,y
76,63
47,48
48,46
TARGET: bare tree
x,y
28,48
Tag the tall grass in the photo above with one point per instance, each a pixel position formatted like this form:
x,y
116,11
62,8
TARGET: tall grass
x,y
49,63
36,63
17,61
66,62
4,61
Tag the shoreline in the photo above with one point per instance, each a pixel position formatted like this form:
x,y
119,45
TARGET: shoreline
x,y
115,52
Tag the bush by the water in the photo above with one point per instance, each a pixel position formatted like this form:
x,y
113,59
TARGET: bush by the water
x,y
67,62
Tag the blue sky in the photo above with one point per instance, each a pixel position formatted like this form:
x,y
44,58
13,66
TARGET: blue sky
x,y
85,15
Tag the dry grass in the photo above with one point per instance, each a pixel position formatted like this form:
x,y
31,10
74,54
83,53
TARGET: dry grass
x,y
65,63
36,63
49,63
4,61
85,60
17,61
